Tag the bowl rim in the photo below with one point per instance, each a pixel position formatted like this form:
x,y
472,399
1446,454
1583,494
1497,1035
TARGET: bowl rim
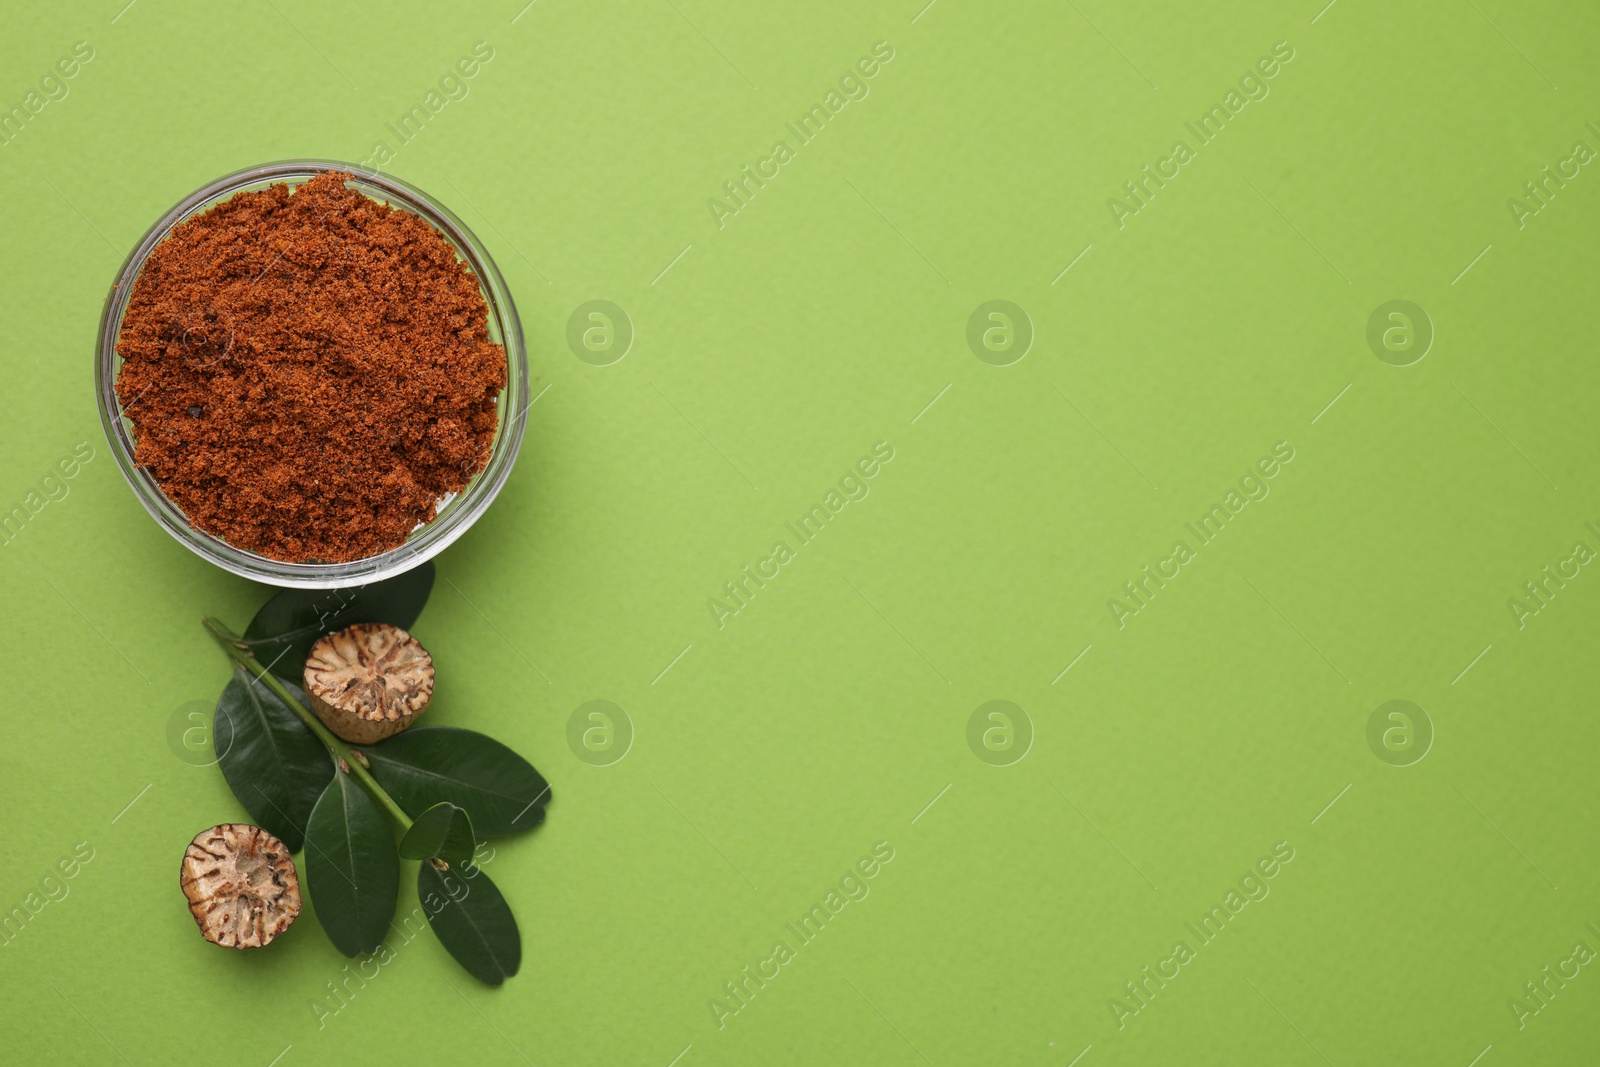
x,y
459,512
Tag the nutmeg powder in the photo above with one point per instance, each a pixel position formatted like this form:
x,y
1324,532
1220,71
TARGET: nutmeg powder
x,y
308,372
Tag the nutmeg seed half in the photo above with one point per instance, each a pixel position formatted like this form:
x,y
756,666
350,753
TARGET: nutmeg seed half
x,y
368,681
241,884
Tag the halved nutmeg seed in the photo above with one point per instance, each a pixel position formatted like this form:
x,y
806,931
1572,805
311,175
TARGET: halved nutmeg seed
x,y
242,887
368,681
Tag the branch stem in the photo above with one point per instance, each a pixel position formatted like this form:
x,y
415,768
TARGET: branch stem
x,y
344,757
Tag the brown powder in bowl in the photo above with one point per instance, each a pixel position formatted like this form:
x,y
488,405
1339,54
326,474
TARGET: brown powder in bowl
x,y
308,373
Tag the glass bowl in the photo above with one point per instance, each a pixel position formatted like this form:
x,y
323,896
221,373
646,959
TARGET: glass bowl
x,y
455,513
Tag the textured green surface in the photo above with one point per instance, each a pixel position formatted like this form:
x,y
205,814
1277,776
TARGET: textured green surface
x,y
765,758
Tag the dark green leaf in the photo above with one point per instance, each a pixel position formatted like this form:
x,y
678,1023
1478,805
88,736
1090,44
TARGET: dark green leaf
x,y
286,627
472,920
273,762
351,867
430,764
445,831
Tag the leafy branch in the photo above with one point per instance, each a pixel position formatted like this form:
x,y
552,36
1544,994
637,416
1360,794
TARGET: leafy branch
x,y
443,786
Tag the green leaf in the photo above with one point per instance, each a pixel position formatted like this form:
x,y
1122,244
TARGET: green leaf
x,y
273,762
286,627
428,765
352,871
472,920
443,831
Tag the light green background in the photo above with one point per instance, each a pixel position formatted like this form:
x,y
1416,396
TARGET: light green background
x,y
826,716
